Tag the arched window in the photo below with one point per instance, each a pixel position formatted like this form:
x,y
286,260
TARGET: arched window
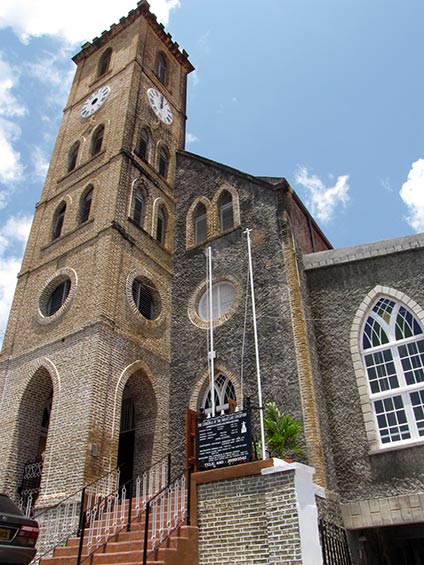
x,y
58,220
162,68
161,225
144,145
393,356
225,396
104,62
97,140
73,156
85,205
138,207
226,211
199,221
163,162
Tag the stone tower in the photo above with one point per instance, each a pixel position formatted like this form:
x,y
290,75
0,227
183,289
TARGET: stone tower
x,y
84,377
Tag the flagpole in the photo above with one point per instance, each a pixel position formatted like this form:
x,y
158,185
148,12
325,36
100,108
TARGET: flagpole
x,y
211,353
255,333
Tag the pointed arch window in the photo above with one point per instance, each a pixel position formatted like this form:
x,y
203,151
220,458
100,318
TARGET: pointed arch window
x,y
163,162
161,225
225,397
225,205
162,68
393,357
138,207
97,140
104,62
73,156
59,218
199,221
85,205
144,145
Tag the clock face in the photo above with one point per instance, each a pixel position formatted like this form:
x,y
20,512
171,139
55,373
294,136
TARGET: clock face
x,y
160,106
95,101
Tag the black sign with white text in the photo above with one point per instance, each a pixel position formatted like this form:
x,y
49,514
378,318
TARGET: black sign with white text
x,y
224,440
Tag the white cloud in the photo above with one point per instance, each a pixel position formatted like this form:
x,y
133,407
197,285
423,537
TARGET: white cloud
x,y
191,138
412,193
71,21
321,199
40,163
10,165
15,231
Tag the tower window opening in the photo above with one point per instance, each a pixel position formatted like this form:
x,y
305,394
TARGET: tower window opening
x,y
138,208
163,163
144,299
162,68
161,226
58,221
97,141
73,156
85,205
104,62
144,145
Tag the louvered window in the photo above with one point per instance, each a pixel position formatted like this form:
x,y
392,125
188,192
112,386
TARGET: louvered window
x,y
144,145
161,226
73,156
58,297
143,299
58,220
163,163
104,62
97,141
393,354
138,207
162,68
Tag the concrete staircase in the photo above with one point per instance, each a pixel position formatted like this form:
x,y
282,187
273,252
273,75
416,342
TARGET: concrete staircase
x,y
126,548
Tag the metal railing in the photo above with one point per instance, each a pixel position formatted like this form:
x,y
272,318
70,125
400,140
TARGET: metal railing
x,y
335,548
106,515
165,513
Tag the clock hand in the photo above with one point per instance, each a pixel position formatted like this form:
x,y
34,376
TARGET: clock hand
x,y
161,101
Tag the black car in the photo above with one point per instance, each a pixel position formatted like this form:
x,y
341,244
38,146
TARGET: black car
x,y
18,534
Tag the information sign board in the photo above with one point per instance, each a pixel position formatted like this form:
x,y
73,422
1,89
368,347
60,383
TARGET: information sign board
x,y
224,440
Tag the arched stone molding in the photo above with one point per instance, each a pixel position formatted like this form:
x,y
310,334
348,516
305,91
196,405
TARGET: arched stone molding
x,y
236,207
357,358
190,243
203,383
138,183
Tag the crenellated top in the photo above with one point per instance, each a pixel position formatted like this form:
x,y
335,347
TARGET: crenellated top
x,y
143,9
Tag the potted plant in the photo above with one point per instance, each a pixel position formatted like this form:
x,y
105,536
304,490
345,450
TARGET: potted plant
x,y
282,433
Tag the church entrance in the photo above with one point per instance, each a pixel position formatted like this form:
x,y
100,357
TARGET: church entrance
x,y
137,428
33,428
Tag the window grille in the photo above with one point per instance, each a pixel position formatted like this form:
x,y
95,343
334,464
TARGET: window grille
x,y
393,354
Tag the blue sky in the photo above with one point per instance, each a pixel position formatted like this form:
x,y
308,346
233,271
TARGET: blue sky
x,y
327,93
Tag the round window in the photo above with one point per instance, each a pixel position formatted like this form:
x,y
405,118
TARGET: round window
x,y
146,298
56,295
223,296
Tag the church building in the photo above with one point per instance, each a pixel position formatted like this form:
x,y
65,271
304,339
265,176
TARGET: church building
x,y
107,342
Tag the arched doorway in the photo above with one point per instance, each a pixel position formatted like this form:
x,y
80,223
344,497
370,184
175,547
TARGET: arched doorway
x,y
33,429
137,428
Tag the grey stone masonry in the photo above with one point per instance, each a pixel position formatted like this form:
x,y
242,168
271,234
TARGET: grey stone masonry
x,y
366,251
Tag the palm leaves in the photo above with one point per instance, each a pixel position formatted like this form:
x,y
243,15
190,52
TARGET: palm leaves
x,y
282,432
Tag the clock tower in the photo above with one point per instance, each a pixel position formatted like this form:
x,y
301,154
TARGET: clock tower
x,y
85,363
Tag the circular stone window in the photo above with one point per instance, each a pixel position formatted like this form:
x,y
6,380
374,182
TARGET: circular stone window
x,y
56,295
146,298
223,297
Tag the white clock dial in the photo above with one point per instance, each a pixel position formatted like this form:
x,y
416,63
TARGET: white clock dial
x,y
95,101
160,106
